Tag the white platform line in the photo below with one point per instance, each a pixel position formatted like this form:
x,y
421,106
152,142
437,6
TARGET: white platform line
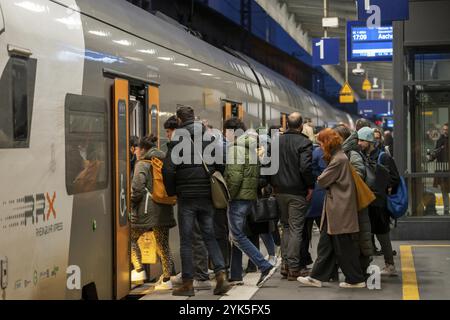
x,y
248,290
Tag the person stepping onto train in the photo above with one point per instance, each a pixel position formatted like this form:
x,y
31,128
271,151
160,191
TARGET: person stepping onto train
x,y
339,224
147,215
242,178
187,178
294,185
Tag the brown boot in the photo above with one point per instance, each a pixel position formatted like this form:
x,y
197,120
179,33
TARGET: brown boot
x,y
222,286
186,290
284,270
293,275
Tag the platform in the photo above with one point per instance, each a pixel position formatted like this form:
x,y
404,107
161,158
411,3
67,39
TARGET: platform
x,y
423,274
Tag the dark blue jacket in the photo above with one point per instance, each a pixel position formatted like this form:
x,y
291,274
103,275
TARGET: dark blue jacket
x,y
318,165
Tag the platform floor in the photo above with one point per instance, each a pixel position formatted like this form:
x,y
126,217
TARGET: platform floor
x,y
423,273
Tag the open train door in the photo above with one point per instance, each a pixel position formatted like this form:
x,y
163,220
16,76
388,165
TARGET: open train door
x,y
121,182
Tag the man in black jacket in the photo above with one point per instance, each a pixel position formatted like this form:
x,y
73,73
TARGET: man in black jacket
x,y
185,176
293,184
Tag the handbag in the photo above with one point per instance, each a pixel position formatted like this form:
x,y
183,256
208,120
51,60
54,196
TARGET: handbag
x,y
265,209
220,195
364,195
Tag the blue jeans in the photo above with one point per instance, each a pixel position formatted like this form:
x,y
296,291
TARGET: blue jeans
x,y
238,210
203,211
268,242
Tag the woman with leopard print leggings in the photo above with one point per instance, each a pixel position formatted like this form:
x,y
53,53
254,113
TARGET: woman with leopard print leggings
x,y
147,215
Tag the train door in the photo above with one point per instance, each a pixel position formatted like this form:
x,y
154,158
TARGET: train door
x,y
121,182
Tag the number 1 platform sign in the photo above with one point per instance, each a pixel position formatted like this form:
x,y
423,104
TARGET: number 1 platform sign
x,y
325,51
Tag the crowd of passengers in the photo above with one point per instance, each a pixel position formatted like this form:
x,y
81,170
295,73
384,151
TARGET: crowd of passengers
x,y
313,185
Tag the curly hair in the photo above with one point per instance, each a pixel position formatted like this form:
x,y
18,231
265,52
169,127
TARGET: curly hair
x,y
331,142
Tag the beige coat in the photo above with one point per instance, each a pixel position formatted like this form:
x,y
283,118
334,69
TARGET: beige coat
x,y
340,205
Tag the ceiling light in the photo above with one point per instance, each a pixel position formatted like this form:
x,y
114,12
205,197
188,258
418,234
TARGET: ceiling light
x,y
165,58
207,74
195,69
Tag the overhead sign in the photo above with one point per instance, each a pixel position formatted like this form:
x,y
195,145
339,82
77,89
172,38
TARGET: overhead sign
x,y
346,94
367,86
388,10
370,108
369,44
325,51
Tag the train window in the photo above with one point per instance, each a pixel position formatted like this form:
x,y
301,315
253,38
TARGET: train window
x,y
86,143
16,104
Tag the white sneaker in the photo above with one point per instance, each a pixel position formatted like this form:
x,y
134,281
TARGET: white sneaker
x,y
273,260
352,286
177,280
310,282
202,285
389,271
164,285
138,276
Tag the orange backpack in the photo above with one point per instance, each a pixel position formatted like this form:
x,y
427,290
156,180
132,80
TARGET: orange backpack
x,y
159,194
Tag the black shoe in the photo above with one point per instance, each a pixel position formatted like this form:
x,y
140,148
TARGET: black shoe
x,y
378,252
265,275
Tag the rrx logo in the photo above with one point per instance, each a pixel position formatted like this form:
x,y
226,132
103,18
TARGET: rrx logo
x,y
40,205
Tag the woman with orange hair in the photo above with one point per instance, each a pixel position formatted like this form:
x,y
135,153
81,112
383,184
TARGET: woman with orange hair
x,y
339,226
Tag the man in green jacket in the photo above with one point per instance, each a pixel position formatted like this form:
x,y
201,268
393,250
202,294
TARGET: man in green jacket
x,y
242,177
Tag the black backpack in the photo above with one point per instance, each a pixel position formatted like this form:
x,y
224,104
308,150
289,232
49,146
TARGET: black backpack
x,y
377,178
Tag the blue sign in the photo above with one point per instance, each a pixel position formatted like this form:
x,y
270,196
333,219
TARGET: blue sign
x,y
370,108
325,51
369,44
390,10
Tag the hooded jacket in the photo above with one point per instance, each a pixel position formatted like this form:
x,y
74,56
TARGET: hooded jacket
x,y
158,215
188,179
351,149
242,169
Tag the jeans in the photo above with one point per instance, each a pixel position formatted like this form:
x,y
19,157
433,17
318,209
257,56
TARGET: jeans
x,y
267,239
200,254
201,210
238,210
292,216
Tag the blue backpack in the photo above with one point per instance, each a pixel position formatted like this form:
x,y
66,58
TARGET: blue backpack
x,y
397,203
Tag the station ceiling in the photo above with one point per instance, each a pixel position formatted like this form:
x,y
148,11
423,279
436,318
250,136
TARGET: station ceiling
x,y
307,16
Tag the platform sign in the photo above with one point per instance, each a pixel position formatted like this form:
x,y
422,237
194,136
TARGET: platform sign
x,y
346,94
367,86
325,51
369,44
370,108
388,10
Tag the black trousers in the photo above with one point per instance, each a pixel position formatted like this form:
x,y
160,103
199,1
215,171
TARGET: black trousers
x,y
341,250
305,256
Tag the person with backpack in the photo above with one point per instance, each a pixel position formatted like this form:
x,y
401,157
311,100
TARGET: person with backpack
x,y
386,181
148,215
187,176
352,151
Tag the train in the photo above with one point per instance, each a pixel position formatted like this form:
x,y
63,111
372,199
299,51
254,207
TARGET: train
x,y
78,78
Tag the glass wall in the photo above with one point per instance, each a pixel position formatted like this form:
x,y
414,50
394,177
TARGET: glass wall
x,y
428,95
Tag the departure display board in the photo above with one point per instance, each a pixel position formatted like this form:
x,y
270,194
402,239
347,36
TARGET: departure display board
x,y
369,44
